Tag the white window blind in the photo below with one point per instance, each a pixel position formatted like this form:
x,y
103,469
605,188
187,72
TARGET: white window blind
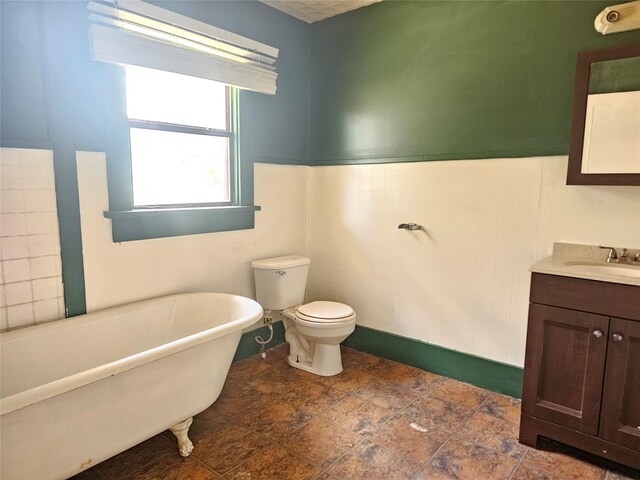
x,y
132,32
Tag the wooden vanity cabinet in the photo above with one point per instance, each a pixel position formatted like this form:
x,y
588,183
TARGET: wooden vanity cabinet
x,y
582,367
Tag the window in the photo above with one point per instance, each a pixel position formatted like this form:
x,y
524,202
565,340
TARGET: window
x,y
173,148
172,157
181,138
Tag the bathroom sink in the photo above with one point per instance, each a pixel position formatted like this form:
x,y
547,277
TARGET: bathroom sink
x,y
608,269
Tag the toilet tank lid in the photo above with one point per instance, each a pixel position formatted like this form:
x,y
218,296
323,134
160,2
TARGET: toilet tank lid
x,y
280,263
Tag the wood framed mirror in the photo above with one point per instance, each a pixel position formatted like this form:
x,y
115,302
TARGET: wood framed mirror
x,y
604,148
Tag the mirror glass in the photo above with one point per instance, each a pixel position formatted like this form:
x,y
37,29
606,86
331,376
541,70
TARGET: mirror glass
x,y
611,142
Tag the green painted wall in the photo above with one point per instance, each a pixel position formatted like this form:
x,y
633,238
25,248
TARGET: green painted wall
x,y
54,96
24,115
431,80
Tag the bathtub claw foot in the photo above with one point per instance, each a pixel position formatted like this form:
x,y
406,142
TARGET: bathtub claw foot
x,y
181,431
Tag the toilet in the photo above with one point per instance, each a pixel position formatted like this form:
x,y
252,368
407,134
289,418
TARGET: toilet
x,y
313,330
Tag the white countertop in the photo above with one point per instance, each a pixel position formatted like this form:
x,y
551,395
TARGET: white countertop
x,y
588,262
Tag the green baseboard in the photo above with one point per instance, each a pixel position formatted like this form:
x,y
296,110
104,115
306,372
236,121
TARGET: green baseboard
x,y
248,345
495,376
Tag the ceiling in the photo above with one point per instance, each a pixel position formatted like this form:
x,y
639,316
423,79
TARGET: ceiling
x,y
315,10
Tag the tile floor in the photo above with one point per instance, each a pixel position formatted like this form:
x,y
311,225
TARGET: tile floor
x,y
276,422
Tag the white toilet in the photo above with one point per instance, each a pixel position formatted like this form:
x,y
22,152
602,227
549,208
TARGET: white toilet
x,y
313,330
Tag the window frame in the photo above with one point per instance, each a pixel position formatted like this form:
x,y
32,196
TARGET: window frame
x,y
131,222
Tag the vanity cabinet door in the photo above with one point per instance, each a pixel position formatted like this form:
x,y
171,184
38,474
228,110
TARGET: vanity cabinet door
x,y
564,367
620,418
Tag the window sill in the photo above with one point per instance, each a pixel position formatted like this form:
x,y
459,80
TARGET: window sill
x,y
143,224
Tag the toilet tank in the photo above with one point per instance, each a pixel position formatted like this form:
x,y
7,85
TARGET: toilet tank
x,y
280,281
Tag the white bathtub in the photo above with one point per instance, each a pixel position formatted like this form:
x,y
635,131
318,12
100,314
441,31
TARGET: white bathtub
x,y
78,391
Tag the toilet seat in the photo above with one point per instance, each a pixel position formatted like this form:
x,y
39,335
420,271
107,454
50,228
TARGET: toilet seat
x,y
325,313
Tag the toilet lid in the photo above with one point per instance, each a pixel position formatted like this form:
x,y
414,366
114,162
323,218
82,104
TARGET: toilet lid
x,y
325,310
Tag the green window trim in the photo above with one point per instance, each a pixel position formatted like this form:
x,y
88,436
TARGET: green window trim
x,y
130,223
144,224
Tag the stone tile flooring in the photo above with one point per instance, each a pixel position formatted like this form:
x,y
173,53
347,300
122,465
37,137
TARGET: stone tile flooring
x,y
275,422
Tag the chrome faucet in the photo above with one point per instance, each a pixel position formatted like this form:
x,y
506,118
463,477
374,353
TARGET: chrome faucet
x,y
613,255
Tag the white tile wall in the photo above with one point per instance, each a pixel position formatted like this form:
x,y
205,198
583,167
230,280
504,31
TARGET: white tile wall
x,y
30,271
18,293
464,283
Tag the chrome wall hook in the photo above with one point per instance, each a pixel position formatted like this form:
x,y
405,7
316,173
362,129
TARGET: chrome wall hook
x,y
410,226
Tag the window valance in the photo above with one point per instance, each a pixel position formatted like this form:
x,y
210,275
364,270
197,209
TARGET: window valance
x,y
132,32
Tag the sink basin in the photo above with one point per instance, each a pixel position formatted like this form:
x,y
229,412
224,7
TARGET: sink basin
x,y
608,269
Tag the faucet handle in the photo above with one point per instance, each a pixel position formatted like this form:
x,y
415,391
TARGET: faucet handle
x,y
613,255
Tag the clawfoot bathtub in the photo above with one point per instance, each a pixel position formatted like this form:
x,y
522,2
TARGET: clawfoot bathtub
x,y
78,391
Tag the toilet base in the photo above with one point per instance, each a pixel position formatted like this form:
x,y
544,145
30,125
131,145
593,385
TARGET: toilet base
x,y
327,361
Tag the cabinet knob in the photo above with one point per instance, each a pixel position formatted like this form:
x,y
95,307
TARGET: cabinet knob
x,y
617,337
597,333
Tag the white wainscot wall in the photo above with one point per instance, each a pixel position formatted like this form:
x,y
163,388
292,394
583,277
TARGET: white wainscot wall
x,y
464,283
119,273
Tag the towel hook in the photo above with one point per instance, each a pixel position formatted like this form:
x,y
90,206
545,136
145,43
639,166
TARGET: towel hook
x,y
410,226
